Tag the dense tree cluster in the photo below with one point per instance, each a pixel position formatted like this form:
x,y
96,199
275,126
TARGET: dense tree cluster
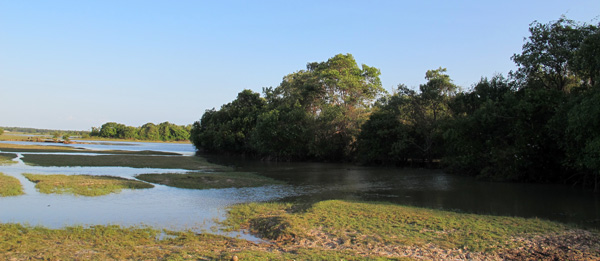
x,y
313,114
162,132
539,124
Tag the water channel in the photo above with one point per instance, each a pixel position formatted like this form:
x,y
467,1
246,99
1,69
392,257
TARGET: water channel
x,y
198,210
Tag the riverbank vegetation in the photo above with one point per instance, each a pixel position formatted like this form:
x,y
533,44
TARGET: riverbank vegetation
x,y
203,180
537,124
149,132
329,230
10,186
83,185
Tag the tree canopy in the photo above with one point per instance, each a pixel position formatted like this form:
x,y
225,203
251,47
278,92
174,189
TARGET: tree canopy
x,y
539,124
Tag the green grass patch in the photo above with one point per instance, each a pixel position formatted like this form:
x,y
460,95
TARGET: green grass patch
x,y
199,180
21,242
7,158
84,185
134,161
344,224
10,186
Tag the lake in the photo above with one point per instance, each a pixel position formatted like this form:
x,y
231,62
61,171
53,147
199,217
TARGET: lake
x,y
198,210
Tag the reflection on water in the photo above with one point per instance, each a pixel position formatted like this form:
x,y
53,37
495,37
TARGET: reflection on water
x,y
429,188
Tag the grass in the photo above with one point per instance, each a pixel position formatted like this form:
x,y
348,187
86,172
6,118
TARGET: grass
x,y
84,185
116,243
328,230
7,158
134,161
342,224
199,180
10,186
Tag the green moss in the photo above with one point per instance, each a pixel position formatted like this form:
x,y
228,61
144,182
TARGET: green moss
x,y
199,180
10,186
83,185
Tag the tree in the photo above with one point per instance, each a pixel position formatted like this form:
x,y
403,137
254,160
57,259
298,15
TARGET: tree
x,y
229,129
337,96
408,125
1,131
548,56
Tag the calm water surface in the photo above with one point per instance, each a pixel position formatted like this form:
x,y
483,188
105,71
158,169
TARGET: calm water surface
x,y
180,209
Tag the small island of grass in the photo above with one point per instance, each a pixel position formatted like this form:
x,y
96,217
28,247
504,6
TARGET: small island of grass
x,y
7,158
84,185
200,180
10,186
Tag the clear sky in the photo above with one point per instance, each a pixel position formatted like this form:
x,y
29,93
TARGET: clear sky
x,y
78,64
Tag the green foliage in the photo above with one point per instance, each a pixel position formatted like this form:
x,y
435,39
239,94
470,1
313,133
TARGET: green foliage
x,y
313,113
1,131
408,125
229,129
165,131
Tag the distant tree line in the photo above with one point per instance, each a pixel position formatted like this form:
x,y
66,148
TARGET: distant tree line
x,y
162,132
46,131
540,123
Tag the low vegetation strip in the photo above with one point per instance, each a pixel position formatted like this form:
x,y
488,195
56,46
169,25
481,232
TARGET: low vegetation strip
x,y
7,147
10,186
383,229
7,158
200,180
84,185
134,161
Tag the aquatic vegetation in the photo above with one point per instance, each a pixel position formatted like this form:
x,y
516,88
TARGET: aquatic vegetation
x,y
134,161
10,186
7,158
84,185
201,180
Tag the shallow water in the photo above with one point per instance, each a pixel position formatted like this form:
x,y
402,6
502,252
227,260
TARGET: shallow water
x,y
429,188
159,207
181,209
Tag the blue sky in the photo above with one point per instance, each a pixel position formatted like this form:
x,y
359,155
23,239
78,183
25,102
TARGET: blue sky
x,y
78,64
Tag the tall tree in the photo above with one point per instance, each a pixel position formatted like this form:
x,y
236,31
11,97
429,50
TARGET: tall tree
x,y
548,54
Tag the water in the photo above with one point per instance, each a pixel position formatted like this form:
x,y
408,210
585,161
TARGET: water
x,y
431,189
198,210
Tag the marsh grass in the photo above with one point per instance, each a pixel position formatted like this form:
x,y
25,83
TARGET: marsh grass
x,y
200,180
341,224
134,161
112,242
10,186
84,185
7,158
